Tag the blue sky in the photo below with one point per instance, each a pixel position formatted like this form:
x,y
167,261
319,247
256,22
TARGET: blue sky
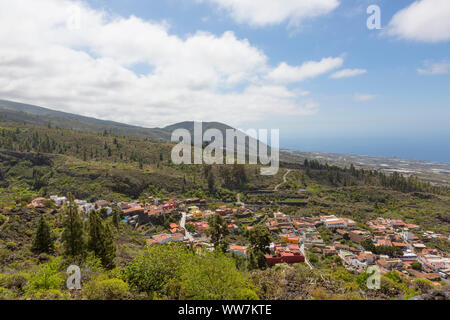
x,y
398,106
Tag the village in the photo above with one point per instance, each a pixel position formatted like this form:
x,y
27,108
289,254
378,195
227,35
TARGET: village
x,y
387,243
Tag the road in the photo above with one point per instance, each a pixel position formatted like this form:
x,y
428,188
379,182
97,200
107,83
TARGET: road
x,y
302,250
183,225
284,180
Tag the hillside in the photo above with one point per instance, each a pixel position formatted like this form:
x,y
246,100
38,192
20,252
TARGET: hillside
x,y
436,173
42,160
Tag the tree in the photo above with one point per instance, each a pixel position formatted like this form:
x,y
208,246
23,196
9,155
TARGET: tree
x,y
101,241
259,238
42,241
218,230
116,218
109,249
73,234
211,182
96,234
416,266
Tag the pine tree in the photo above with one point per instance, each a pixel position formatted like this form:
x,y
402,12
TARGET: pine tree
x,y
95,233
218,231
101,241
73,234
109,249
211,182
42,241
116,218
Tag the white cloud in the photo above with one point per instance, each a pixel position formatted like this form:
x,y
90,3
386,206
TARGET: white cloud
x,y
363,97
423,20
285,73
260,13
437,68
88,68
347,73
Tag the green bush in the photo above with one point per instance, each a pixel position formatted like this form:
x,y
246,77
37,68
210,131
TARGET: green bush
x,y
151,272
11,245
423,285
6,294
52,294
47,278
16,281
111,289
213,276
416,266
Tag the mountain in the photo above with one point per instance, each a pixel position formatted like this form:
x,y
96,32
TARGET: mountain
x,y
25,113
30,114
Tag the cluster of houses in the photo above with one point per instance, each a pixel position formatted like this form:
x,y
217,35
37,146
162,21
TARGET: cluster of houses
x,y
298,234
294,235
83,206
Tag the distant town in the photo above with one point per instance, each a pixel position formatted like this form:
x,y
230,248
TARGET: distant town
x,y
387,243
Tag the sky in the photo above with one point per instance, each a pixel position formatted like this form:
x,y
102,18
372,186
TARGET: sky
x,y
311,68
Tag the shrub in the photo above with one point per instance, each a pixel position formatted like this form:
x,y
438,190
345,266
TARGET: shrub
x,y
52,294
213,276
47,278
16,281
110,289
416,265
152,271
423,285
6,294
11,245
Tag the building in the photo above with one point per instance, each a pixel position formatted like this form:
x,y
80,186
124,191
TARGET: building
x,y
359,236
238,250
285,257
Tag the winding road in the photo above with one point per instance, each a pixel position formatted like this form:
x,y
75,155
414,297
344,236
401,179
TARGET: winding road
x,y
284,180
188,235
302,250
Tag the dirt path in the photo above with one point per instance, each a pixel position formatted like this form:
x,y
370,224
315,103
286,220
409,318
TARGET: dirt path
x,y
284,180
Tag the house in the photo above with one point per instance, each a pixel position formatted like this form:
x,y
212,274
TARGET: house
x,y
389,264
419,247
59,201
37,203
201,226
409,256
333,222
329,251
359,236
285,257
290,239
400,245
383,243
161,238
238,250
175,228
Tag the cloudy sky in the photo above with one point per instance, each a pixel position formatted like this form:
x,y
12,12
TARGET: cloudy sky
x,y
311,68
